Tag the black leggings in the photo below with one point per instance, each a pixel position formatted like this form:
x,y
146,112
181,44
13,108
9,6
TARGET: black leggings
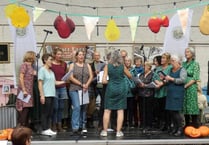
x,y
23,117
46,112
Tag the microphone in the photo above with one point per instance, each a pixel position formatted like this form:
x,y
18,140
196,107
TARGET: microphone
x,y
47,31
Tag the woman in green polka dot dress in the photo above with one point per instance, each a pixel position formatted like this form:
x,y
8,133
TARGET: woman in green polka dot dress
x,y
190,107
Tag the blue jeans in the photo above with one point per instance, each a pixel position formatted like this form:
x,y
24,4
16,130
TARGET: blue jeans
x,y
61,96
75,110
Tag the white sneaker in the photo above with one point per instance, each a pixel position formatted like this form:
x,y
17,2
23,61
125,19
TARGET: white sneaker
x,y
119,134
52,132
46,132
103,133
84,130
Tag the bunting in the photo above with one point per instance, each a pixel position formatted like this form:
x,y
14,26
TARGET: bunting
x,y
183,16
37,12
90,23
133,22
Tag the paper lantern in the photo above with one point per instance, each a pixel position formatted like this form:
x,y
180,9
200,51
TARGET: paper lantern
x,y
165,21
112,32
154,24
20,18
8,10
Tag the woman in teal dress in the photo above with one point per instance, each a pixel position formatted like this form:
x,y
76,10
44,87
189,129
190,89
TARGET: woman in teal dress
x,y
116,91
190,107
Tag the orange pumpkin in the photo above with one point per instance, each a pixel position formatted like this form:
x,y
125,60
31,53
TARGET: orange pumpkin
x,y
188,129
195,133
3,134
204,130
9,132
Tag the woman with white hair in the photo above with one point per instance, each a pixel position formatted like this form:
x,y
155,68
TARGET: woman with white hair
x,y
190,107
116,91
175,94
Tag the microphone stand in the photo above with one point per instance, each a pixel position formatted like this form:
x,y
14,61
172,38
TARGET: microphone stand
x,y
36,91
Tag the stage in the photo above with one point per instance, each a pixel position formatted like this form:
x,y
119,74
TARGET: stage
x,y
131,137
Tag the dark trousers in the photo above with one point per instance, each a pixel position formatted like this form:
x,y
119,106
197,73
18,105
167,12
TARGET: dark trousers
x,y
101,108
129,112
176,119
46,112
146,110
191,120
23,117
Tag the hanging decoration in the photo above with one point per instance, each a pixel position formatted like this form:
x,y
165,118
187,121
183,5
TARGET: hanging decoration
x,y
71,24
183,16
165,21
175,41
20,18
133,22
204,21
62,27
112,32
8,10
90,23
154,24
37,12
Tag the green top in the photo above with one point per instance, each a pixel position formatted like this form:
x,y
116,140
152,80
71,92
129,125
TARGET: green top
x,y
161,92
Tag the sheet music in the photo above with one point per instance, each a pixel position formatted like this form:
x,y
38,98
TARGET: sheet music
x,y
100,76
24,99
67,75
151,85
85,97
137,80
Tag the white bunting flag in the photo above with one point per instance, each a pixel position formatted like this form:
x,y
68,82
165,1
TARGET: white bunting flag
x,y
37,12
183,16
133,22
175,41
90,23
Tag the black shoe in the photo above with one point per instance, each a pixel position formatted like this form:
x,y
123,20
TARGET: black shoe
x,y
178,133
75,133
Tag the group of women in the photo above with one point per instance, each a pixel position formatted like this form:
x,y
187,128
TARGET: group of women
x,y
173,93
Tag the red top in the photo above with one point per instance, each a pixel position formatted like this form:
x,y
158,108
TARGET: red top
x,y
59,71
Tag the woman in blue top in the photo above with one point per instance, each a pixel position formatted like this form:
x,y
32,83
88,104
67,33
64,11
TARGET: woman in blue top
x,y
175,94
46,85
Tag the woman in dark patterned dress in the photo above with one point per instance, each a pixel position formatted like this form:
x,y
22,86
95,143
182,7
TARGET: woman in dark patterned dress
x,y
26,76
190,108
116,91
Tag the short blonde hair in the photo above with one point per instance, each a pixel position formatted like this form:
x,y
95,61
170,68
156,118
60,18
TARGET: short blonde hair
x,y
30,56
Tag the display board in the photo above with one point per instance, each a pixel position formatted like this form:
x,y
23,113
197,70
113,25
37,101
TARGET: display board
x,y
70,49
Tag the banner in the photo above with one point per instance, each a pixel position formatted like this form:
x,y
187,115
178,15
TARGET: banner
x,y
133,22
24,40
90,23
176,41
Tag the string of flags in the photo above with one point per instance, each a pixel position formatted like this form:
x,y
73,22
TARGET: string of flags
x,y
20,19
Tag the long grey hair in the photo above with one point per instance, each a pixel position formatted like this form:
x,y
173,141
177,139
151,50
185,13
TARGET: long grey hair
x,y
115,58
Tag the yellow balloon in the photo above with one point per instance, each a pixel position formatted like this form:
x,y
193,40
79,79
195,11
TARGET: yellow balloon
x,y
8,10
112,32
20,18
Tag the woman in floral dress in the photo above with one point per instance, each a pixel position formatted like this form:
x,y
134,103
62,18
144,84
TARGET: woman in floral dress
x,y
190,107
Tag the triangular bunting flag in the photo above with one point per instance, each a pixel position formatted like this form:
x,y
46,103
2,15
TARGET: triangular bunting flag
x,y
90,23
37,12
133,22
175,41
183,16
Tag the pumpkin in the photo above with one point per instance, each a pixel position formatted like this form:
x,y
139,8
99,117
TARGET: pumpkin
x,y
204,130
195,133
9,133
3,134
188,129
